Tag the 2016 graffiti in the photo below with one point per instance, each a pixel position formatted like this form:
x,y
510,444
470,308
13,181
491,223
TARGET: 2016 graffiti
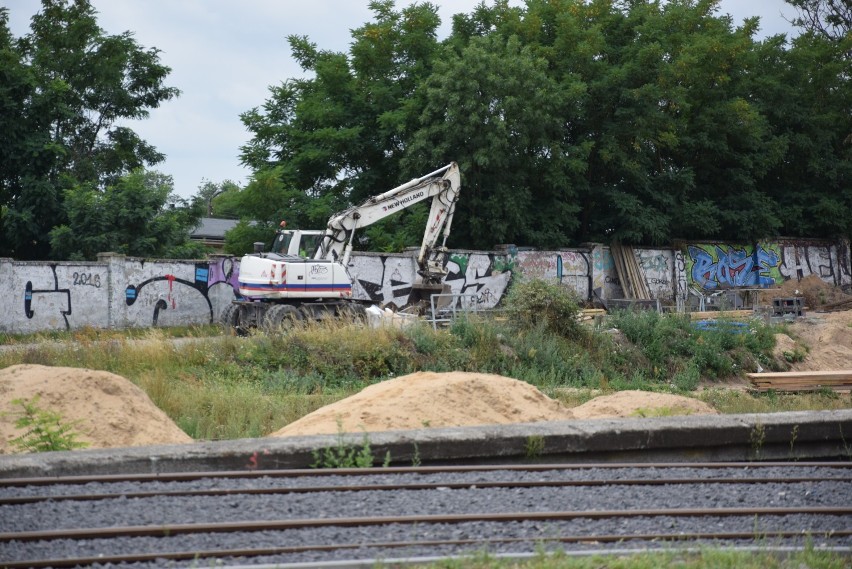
x,y
87,279
727,266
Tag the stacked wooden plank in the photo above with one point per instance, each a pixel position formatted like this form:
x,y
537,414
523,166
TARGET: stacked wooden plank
x,y
629,272
591,315
802,380
729,314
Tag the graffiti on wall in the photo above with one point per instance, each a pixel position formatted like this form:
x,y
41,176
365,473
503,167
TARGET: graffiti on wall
x,y
572,269
159,300
658,267
716,266
214,284
682,287
57,298
604,277
128,292
803,259
387,279
482,275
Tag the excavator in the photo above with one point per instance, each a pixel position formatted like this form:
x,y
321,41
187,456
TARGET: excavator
x,y
306,275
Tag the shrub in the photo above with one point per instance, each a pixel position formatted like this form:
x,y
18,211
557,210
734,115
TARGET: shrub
x,y
534,303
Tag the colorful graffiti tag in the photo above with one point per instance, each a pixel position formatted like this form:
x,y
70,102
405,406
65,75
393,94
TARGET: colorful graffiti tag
x,y
714,266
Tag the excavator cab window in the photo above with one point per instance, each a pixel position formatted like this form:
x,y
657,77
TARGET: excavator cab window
x,y
308,246
282,242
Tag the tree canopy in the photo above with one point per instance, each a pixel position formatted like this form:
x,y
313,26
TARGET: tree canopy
x,y
137,215
640,121
67,92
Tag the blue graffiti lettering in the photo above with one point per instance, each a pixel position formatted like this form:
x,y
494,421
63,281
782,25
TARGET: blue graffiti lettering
x,y
732,267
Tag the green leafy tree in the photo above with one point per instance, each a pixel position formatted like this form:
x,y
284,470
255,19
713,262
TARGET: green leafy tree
x,y
675,146
808,101
215,200
138,215
574,120
494,109
27,196
72,86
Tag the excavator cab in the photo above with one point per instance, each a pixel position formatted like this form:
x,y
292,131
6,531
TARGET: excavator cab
x,y
300,242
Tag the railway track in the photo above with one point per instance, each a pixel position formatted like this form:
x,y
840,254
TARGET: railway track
x,y
297,516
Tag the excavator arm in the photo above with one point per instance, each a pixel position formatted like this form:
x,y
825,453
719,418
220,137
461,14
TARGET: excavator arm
x,y
442,186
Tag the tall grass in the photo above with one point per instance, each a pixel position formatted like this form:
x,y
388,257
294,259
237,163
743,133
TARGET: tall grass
x,y
704,558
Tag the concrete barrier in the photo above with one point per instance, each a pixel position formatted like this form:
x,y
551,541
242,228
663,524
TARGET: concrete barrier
x,y
812,435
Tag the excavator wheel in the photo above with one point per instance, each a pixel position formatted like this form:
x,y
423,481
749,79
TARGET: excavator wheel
x,y
230,319
353,313
281,316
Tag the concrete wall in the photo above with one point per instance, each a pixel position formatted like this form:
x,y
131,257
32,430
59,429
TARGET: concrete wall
x,y
124,292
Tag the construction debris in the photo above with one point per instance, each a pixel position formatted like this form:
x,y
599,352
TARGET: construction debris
x,y
630,274
727,314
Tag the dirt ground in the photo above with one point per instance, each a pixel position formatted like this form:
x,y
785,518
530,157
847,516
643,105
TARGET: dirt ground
x,y
109,411
815,292
823,339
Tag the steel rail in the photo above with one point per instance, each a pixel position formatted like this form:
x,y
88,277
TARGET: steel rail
x,y
20,500
290,473
276,525
284,550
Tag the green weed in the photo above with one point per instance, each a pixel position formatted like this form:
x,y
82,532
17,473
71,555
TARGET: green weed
x,y
345,455
46,430
534,446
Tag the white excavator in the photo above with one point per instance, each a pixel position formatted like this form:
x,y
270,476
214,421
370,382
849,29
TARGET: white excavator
x,y
306,276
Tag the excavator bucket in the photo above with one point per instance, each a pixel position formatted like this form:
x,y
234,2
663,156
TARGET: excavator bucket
x,y
421,297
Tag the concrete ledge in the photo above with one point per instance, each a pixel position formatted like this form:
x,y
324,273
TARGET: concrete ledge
x,y
698,438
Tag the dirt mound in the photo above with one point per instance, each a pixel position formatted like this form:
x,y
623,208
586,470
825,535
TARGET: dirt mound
x,y
825,337
112,412
457,399
815,292
641,404
428,399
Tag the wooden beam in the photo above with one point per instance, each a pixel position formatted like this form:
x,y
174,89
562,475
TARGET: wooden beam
x,y
714,314
802,380
804,375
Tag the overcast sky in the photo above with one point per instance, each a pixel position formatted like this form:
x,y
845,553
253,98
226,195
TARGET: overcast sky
x,y
225,53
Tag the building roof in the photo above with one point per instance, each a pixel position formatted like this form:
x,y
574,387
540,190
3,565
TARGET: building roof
x,y
213,228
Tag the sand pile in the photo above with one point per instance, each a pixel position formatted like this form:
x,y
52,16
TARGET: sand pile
x,y
428,399
456,399
112,411
640,404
